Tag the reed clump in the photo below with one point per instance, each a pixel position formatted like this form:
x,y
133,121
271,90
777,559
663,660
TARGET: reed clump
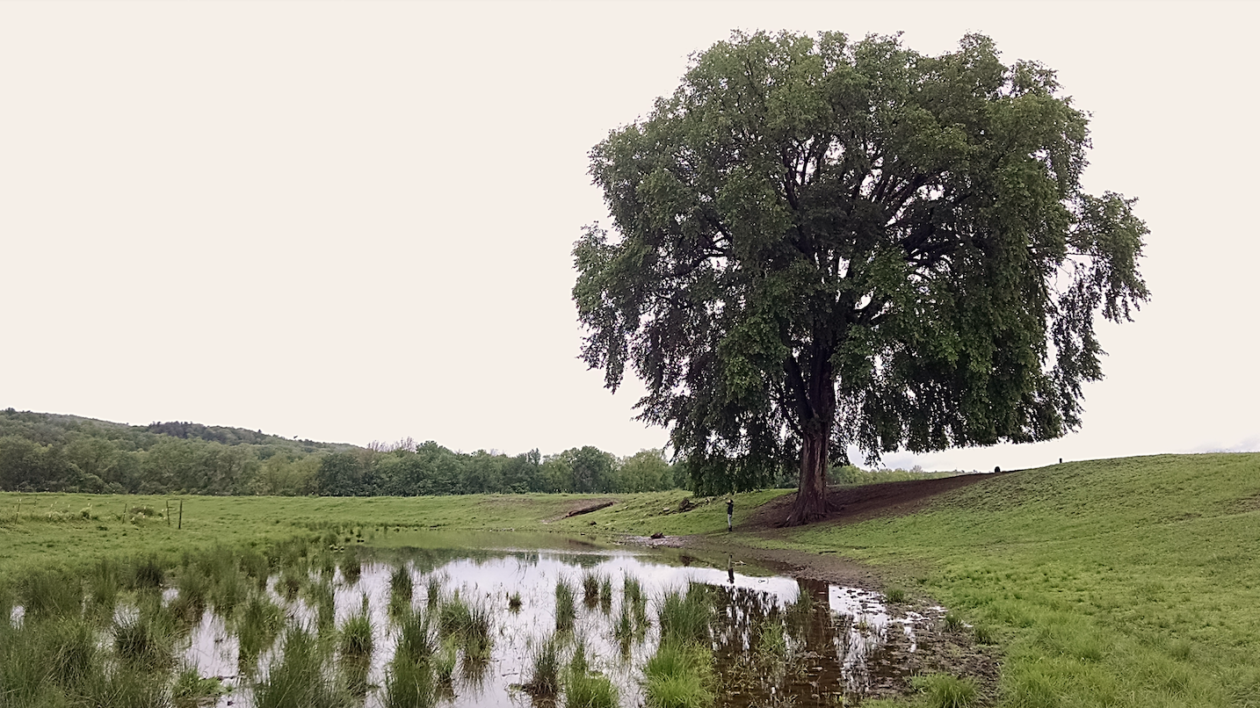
x,y
566,611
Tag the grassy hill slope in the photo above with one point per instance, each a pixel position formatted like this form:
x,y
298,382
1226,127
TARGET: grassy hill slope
x,y
1128,582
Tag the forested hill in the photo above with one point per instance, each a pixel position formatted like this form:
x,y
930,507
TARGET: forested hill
x,y
45,452
55,428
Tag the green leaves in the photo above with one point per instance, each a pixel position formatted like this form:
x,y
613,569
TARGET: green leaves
x,y
818,234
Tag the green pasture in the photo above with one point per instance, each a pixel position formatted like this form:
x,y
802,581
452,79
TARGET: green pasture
x,y
1128,582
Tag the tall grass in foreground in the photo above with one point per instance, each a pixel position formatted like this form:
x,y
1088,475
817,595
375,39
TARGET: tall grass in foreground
x,y
468,625
544,668
297,679
590,588
566,612
678,676
409,684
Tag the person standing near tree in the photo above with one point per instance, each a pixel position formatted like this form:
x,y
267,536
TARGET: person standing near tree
x,y
730,511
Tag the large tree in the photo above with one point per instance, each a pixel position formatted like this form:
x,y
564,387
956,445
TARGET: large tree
x,y
820,244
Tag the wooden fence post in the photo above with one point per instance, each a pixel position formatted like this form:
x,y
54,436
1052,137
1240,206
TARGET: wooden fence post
x,y
181,513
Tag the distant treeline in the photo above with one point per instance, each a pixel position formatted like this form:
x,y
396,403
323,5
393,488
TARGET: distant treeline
x,y
42,452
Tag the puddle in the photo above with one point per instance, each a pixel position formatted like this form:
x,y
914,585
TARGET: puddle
x,y
837,640
775,640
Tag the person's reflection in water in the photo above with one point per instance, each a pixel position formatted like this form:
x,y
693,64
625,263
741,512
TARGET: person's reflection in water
x,y
730,569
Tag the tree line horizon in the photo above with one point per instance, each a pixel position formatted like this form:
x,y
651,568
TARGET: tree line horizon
x,y
45,452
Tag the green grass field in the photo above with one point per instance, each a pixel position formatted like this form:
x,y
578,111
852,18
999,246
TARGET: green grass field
x,y
1129,582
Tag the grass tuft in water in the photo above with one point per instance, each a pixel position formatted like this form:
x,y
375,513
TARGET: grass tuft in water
x,y
191,690
297,678
678,676
945,691
356,634
566,612
401,585
257,626
514,602
351,566
415,637
590,588
408,684
685,617
582,689
148,639
544,668
895,595
432,591
605,594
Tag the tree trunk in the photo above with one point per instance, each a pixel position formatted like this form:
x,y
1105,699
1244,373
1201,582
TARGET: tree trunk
x,y
811,497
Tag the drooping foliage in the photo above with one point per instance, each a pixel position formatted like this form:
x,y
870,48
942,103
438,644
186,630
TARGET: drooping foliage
x,y
821,243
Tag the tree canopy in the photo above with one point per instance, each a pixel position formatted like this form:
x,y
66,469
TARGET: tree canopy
x,y
820,243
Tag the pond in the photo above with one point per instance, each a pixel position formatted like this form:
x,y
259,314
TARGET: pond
x,y
487,625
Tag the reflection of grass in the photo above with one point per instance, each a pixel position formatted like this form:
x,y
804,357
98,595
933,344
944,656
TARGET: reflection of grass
x,y
583,689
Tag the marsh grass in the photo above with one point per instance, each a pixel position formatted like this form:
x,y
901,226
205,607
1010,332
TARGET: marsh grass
x,y
566,610
409,684
351,566
52,593
257,626
323,598
468,625
147,639
514,602
290,583
104,582
895,595
416,640
190,603
401,586
945,691
678,676
191,689
147,573
297,679
590,588
432,591
582,689
256,567
605,594
544,668
772,641
228,589
684,617
443,662
356,634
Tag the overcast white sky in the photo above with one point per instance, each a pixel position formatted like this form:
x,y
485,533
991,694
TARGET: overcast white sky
x,y
353,221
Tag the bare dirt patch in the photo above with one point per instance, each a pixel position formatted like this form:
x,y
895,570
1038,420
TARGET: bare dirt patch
x,y
868,501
